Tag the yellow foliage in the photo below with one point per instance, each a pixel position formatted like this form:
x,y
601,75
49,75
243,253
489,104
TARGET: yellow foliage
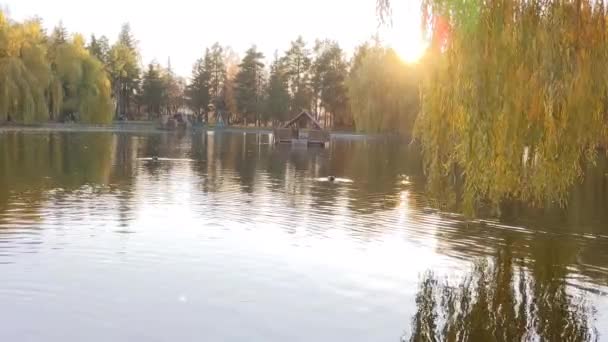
x,y
33,91
383,92
515,100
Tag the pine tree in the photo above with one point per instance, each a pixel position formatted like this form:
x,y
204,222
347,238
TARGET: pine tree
x,y
152,90
104,48
125,37
277,93
216,68
198,89
249,84
228,96
124,69
297,65
59,34
99,48
173,90
329,76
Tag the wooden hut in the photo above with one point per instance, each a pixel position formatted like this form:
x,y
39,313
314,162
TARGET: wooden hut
x,y
302,129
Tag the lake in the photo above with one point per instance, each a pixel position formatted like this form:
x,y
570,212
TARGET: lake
x,y
227,237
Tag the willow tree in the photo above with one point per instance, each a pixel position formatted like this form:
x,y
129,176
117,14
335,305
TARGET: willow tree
x,y
514,97
383,92
85,86
24,72
42,77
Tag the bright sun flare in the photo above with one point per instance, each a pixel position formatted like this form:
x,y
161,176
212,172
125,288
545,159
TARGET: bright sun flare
x,y
405,35
410,52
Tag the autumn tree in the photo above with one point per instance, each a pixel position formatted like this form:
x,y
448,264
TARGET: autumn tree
x,y
49,78
86,89
25,73
514,97
123,61
383,92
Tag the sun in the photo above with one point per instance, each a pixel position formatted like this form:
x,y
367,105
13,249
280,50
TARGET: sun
x,y
405,34
410,52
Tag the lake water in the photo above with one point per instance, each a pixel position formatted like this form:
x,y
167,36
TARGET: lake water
x,y
229,238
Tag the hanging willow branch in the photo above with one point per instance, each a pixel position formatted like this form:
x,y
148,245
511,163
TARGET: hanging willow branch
x,y
383,10
514,96
32,91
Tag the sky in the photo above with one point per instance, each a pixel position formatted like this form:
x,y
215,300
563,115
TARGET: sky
x,y
181,29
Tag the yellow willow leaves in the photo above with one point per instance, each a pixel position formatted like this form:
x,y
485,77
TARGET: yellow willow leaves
x,y
33,91
515,102
23,72
86,89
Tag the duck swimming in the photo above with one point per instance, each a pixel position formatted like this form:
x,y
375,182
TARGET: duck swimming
x,y
155,158
331,178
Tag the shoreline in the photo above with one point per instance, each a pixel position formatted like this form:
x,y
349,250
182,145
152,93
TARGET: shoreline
x,y
151,127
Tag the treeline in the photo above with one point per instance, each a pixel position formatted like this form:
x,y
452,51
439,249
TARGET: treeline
x,y
58,76
253,92
374,91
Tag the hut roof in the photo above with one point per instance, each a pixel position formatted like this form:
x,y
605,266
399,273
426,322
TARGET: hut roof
x,y
305,114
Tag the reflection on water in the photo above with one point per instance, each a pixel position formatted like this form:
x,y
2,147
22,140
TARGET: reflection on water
x,y
227,237
502,300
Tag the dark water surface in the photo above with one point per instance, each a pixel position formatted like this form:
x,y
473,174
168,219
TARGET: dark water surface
x,y
229,238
